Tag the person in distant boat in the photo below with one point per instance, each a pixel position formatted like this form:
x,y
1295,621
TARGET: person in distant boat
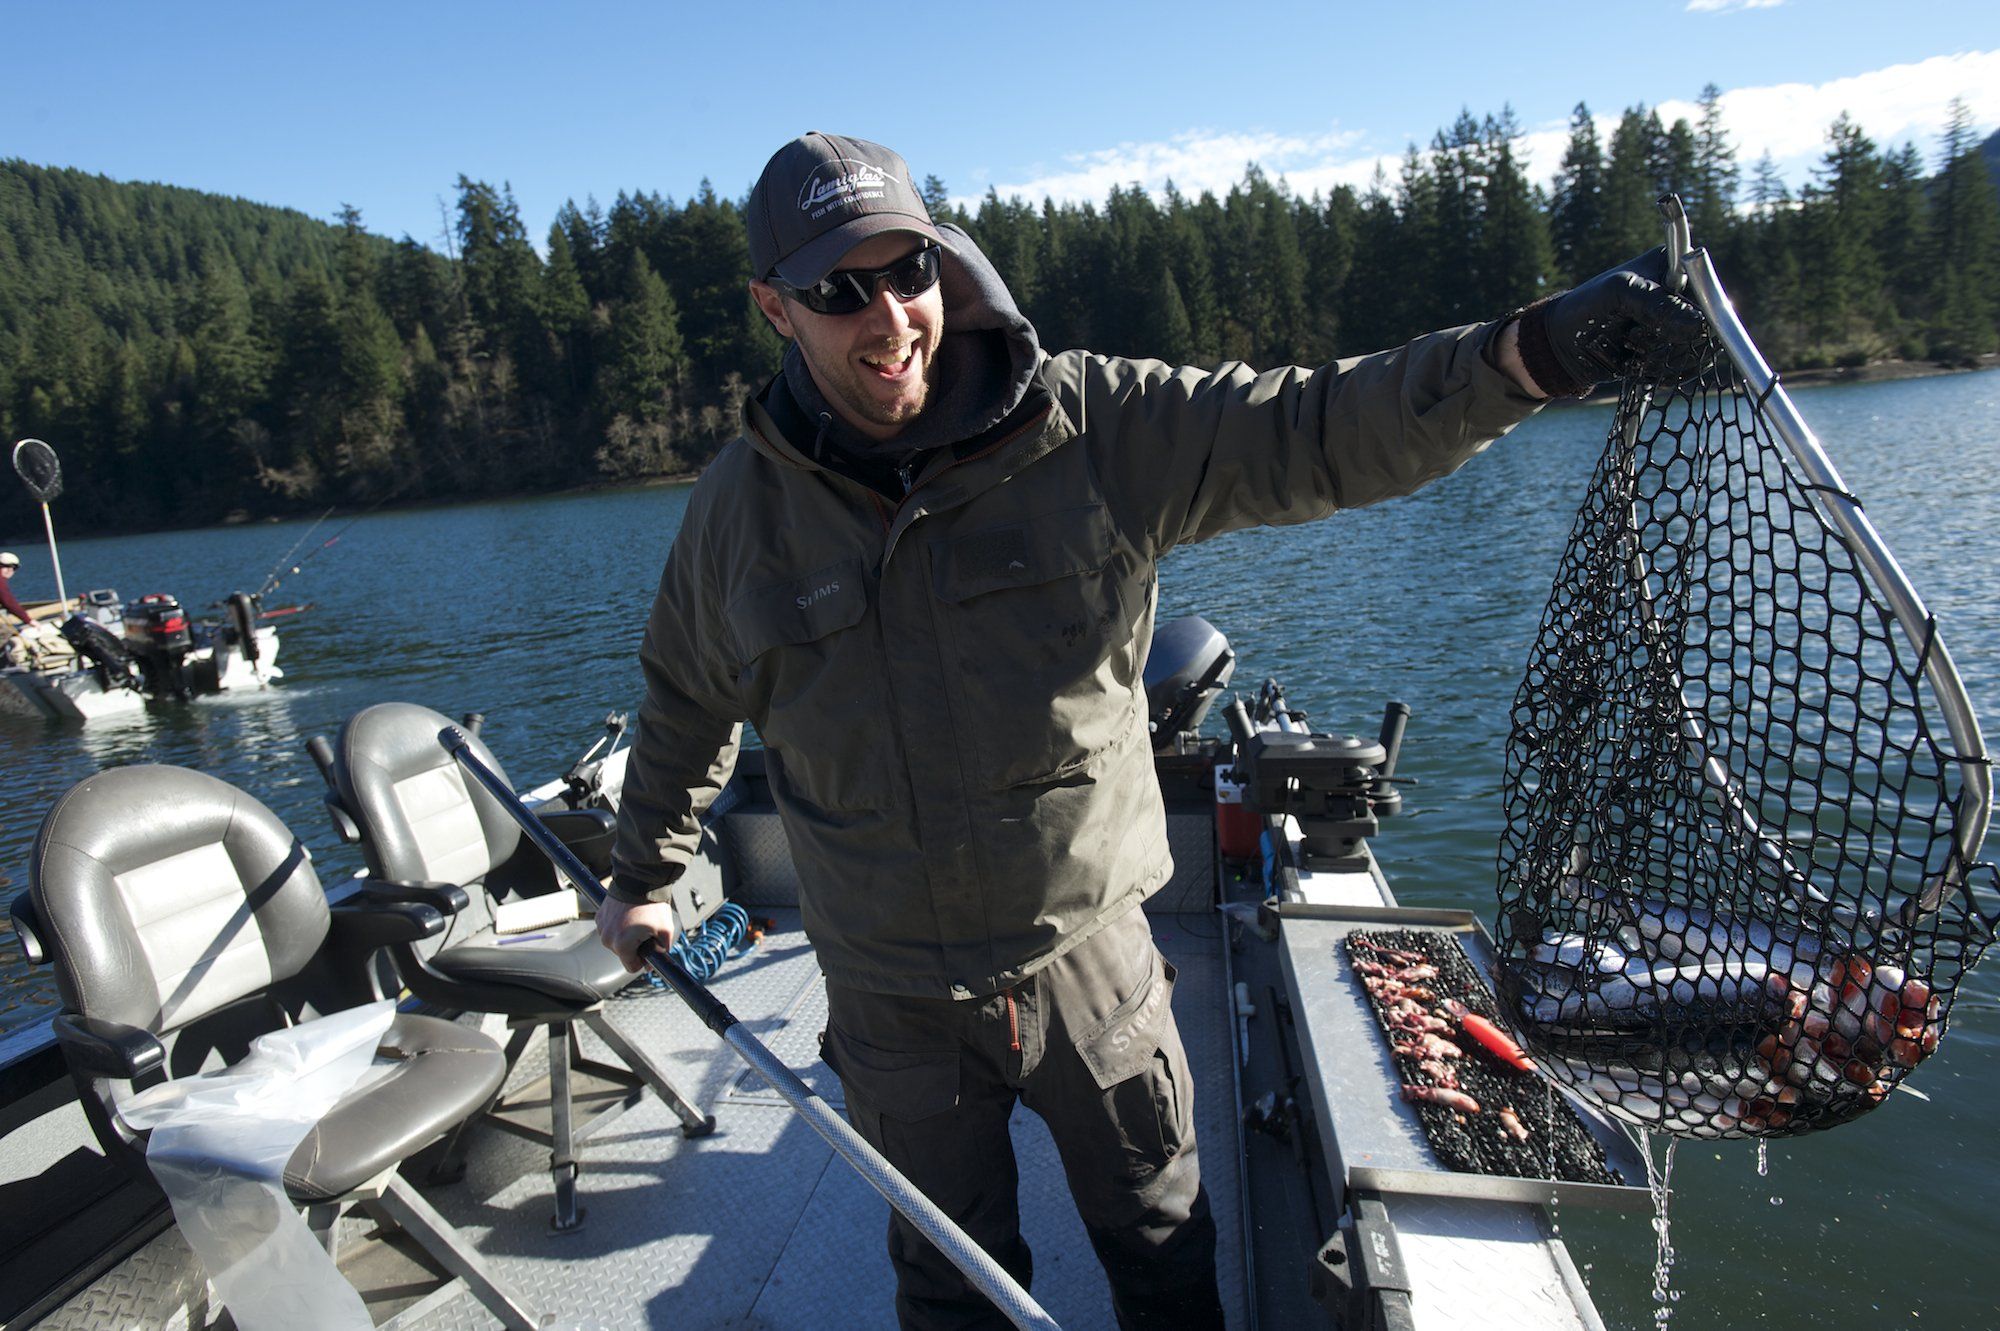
x,y
10,564
927,573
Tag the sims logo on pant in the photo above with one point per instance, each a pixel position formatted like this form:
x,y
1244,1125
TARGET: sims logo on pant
x,y
824,191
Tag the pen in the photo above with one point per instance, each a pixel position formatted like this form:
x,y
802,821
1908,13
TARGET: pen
x,y
521,938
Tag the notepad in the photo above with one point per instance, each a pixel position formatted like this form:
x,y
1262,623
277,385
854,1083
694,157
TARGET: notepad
x,y
516,917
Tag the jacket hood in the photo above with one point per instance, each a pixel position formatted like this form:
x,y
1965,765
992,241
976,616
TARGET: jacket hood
x,y
985,364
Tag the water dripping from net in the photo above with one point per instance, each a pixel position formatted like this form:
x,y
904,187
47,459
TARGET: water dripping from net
x,y
1659,1182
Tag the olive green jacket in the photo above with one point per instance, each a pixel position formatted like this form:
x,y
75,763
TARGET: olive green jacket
x,y
950,689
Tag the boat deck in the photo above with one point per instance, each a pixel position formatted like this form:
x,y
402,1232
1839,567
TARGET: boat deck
x,y
759,1224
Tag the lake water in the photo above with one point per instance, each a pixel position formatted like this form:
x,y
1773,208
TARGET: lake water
x,y
531,611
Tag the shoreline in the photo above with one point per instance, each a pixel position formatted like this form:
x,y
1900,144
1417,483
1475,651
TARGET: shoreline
x,y
1882,371
1874,372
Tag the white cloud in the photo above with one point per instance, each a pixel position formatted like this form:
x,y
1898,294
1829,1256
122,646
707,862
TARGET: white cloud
x,y
1198,160
1789,120
1726,6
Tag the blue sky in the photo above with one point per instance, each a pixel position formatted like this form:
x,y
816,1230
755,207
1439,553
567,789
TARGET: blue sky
x,y
383,105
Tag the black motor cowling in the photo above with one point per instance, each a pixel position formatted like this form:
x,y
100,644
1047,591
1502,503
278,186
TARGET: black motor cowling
x,y
158,635
94,643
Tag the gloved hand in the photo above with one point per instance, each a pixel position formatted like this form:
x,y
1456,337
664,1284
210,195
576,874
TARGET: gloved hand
x,y
1621,324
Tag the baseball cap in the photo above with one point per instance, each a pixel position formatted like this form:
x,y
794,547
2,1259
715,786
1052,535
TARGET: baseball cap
x,y
823,194
8,559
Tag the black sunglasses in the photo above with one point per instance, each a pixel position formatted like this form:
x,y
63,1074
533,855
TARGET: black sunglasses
x,y
848,290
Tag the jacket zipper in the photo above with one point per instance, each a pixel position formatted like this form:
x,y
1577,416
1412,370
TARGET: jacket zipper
x,y
1013,1023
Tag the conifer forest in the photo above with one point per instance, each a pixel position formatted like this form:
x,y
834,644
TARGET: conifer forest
x,y
196,358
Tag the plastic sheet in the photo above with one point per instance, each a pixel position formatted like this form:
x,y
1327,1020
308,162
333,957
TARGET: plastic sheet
x,y
218,1148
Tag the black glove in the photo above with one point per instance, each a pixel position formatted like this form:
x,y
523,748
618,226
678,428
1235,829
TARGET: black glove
x,y
1622,324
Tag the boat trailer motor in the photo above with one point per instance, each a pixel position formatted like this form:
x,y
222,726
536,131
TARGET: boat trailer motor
x,y
1339,787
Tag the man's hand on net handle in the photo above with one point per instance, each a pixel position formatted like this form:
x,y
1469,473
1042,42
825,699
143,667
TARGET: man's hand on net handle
x,y
1621,324
625,928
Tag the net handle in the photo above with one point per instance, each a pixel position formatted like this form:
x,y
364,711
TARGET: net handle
x,y
1834,502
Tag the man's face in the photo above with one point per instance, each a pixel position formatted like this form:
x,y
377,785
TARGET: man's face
x,y
876,365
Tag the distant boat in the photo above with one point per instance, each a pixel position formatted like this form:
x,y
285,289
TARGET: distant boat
x,y
112,657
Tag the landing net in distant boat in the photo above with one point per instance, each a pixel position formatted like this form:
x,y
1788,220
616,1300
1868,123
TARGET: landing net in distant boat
x,y
1739,884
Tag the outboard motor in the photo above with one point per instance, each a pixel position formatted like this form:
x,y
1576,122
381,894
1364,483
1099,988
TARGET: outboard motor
x,y
1189,664
243,621
158,635
93,642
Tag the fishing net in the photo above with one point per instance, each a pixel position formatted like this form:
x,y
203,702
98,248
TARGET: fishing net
x,y
1744,792
35,463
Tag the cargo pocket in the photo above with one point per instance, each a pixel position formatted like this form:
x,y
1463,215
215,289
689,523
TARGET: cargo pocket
x,y
906,1085
811,680
1135,1056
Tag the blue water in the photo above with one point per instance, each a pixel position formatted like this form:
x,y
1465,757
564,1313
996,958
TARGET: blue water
x,y
531,612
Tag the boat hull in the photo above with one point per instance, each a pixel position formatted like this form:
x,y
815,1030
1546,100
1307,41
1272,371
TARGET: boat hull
x,y
83,695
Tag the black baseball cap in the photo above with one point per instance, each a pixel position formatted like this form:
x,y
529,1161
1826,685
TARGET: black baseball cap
x,y
823,194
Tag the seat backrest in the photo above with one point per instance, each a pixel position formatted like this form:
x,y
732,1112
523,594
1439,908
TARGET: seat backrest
x,y
421,820
167,895
173,902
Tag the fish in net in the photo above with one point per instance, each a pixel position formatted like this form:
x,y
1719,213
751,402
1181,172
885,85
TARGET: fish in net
x,y
1745,792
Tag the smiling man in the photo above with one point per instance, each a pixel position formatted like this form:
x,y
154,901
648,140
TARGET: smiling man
x,y
927,573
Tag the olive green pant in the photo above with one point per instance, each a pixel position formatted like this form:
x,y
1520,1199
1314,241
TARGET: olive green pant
x,y
1088,1043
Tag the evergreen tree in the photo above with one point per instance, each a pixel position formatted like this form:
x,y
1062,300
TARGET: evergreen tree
x,y
1576,221
645,363
1967,231
1168,329
1631,186
1712,205
1515,258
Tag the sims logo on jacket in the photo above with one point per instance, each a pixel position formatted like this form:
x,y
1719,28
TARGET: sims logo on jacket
x,y
817,593
824,190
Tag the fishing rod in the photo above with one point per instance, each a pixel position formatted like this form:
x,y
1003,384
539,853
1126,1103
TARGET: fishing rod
x,y
972,1261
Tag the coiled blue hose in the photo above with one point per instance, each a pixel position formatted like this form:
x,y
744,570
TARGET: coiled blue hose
x,y
703,949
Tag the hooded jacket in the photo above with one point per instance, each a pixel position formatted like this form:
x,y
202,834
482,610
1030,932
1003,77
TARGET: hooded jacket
x,y
949,686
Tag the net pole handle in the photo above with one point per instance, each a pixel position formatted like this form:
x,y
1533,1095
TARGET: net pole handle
x,y
49,526
972,1261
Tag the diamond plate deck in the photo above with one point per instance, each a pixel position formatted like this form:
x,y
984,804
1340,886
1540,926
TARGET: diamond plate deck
x,y
759,1225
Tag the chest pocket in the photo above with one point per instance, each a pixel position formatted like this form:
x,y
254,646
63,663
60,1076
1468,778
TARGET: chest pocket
x,y
1038,622
811,681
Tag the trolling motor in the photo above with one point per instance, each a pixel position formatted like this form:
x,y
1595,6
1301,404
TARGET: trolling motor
x,y
1339,787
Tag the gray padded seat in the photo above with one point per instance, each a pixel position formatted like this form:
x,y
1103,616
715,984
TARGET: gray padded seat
x,y
183,919
443,1074
423,825
422,821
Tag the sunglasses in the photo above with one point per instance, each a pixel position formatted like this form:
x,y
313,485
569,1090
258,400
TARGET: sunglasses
x,y
848,290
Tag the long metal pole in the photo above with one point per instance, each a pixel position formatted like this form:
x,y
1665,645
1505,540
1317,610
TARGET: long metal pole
x,y
49,526
972,1260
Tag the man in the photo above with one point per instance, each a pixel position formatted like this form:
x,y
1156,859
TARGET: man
x,y
926,573
10,564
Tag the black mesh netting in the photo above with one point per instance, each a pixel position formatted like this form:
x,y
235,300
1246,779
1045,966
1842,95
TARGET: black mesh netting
x,y
35,463
1731,899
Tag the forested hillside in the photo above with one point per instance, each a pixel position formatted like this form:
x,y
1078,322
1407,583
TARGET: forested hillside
x,y
193,356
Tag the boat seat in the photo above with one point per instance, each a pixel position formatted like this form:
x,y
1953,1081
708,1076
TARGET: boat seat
x,y
569,966
183,920
431,836
443,1073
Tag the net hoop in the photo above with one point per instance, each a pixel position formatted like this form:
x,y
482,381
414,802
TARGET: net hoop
x,y
1837,504
39,469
